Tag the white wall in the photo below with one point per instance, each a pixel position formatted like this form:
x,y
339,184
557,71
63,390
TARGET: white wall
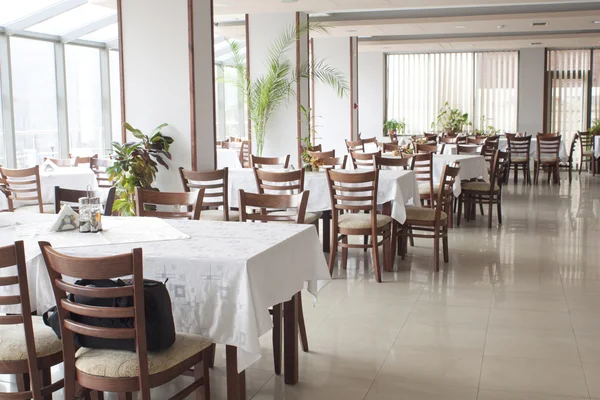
x,y
157,78
531,90
333,113
371,93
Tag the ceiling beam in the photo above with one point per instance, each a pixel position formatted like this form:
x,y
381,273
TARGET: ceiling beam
x,y
42,15
113,44
89,28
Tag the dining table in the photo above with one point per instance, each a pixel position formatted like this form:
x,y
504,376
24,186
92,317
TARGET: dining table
x,y
472,166
563,155
222,276
229,158
596,146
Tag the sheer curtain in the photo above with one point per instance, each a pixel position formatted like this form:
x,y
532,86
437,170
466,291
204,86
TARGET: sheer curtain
x,y
481,84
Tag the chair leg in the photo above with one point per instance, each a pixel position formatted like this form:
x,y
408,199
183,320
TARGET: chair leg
x,y
211,353
206,373
436,250
277,335
393,243
516,177
46,376
365,242
333,251
376,262
445,247
23,383
490,209
460,204
345,253
387,255
412,239
124,396
302,325
404,240
481,206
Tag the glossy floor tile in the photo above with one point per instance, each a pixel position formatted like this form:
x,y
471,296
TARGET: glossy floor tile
x,y
512,316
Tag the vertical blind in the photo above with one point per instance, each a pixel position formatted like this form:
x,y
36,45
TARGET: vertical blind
x,y
481,84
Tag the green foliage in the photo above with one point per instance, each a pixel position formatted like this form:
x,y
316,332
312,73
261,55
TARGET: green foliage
x,y
394,125
485,129
451,119
306,142
595,128
136,165
267,92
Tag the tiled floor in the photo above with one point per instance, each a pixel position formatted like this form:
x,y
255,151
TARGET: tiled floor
x,y
513,316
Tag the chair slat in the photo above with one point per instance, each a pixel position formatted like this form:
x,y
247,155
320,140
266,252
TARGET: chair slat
x,y
9,300
88,330
100,312
103,293
11,319
9,280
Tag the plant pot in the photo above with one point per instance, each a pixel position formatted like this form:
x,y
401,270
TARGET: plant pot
x,y
391,132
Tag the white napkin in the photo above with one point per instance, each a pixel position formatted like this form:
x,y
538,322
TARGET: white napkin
x,y
67,220
48,166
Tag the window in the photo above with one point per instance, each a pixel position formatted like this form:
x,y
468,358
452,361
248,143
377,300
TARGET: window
x,y
34,98
481,84
115,95
2,154
84,100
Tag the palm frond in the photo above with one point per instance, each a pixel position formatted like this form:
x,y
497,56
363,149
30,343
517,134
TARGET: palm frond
x,y
326,74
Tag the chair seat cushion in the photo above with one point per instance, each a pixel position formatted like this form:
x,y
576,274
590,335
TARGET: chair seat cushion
x,y
14,348
362,221
478,186
217,215
423,214
424,188
548,158
124,364
309,218
518,159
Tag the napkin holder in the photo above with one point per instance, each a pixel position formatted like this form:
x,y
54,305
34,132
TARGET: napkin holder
x,y
49,166
67,220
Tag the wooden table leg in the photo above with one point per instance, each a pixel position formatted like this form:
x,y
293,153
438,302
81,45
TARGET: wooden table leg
x,y
236,382
326,231
387,210
290,340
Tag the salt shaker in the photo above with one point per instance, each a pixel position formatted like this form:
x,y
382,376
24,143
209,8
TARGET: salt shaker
x,y
95,214
84,215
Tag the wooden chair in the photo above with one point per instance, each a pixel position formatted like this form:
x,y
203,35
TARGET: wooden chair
x,y
489,193
586,147
351,193
389,147
467,149
118,370
392,163
322,154
510,135
548,134
61,162
22,185
363,160
335,162
148,202
72,196
429,148
357,145
99,165
548,147
316,147
432,138
449,139
422,166
273,162
372,140
488,150
568,165
394,137
28,347
519,155
461,140
245,153
84,160
433,223
215,202
476,140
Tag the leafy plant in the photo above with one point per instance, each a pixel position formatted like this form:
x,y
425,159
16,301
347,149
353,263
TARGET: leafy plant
x,y
393,125
307,142
595,128
451,119
136,165
485,129
266,93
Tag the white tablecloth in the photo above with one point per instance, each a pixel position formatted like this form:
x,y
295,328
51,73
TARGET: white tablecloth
x,y
451,149
471,167
562,153
228,158
65,177
597,146
222,280
398,186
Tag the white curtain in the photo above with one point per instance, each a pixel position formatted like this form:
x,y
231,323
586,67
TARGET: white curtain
x,y
480,84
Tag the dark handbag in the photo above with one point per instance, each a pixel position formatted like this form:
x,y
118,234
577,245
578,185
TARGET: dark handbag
x,y
160,328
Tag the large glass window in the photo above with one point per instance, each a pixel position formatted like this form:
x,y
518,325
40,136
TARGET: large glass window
x,y
115,95
34,97
84,100
2,154
481,84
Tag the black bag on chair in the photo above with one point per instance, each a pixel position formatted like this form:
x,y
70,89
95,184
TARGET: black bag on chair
x,y
160,328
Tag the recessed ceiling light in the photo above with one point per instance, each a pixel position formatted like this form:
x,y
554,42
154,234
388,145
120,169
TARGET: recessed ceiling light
x,y
469,45
536,43
539,24
501,26
289,1
596,22
460,27
386,47
351,30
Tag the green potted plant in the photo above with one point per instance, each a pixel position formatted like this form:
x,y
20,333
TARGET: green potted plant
x,y
393,126
451,120
485,130
595,128
136,165
266,93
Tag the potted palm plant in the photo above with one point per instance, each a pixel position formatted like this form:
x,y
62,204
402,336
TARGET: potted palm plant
x,y
266,93
136,164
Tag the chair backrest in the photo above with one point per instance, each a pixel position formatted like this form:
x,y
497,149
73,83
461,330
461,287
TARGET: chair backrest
x,y
392,163
548,147
357,145
573,147
586,141
260,162
372,140
10,256
363,160
276,182
430,136
445,194
267,203
245,153
22,185
111,267
428,148
510,135
501,168
149,203
84,160
215,185
449,139
61,162
394,137
476,140
335,162
487,151
389,147
352,192
467,149
99,165
321,154
519,147
72,196
316,147
548,134
422,166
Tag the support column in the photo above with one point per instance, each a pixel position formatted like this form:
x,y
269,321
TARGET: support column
x,y
167,66
336,117
371,98
532,69
287,124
